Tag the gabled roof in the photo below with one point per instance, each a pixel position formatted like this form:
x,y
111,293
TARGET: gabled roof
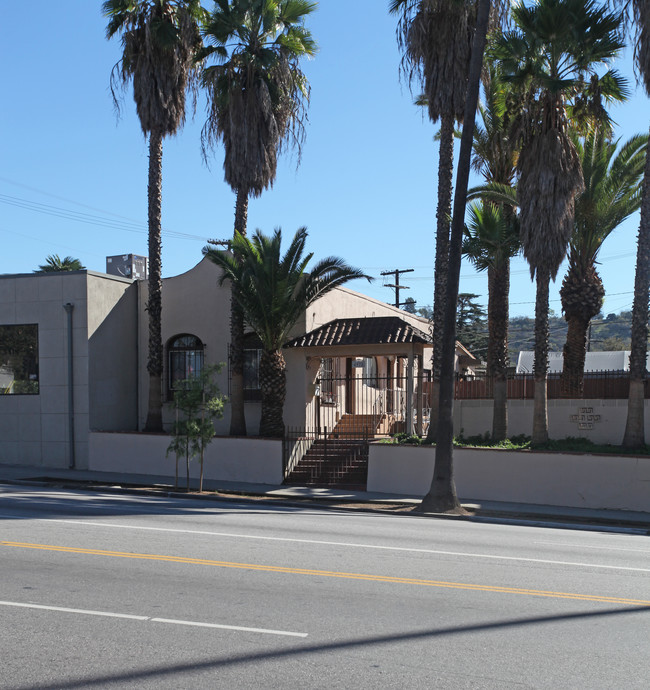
x,y
375,330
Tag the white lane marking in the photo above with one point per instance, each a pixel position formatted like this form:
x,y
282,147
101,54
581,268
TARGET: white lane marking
x,y
62,609
228,627
594,546
406,549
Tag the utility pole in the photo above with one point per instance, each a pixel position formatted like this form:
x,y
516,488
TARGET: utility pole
x,y
221,243
397,286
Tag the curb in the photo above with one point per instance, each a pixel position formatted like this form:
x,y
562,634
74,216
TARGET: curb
x,y
488,516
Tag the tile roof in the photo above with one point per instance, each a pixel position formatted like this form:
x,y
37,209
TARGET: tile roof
x,y
376,330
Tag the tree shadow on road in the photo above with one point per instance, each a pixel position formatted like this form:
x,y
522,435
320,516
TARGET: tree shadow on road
x,y
165,672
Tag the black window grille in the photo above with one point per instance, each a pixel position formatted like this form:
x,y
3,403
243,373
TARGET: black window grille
x,y
185,359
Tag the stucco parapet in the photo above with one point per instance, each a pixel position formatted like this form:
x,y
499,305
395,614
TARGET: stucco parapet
x,y
7,289
26,289
50,287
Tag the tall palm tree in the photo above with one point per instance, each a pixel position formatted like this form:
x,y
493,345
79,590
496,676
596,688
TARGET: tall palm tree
x,y
442,496
553,54
273,292
491,240
494,238
160,39
634,428
257,98
435,37
612,193
55,264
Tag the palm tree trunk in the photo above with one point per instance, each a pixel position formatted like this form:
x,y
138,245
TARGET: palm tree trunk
x,y
154,300
540,407
497,359
273,385
237,414
582,295
575,352
442,493
445,190
635,429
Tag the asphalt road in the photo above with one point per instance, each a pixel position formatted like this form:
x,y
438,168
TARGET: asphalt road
x,y
121,591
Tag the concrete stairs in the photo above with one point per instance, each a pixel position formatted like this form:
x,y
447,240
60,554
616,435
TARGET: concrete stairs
x,y
356,426
340,463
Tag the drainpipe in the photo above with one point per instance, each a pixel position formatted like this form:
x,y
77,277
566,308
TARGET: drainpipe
x,y
68,309
137,355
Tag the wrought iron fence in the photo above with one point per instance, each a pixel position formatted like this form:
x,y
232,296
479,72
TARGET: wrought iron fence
x,y
297,442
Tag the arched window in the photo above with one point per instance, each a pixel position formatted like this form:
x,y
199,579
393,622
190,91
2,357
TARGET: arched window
x,y
185,357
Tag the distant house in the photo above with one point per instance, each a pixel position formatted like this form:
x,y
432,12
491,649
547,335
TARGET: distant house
x,y
594,361
73,354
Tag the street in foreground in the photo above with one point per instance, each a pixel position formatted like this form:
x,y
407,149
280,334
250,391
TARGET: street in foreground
x,y
123,591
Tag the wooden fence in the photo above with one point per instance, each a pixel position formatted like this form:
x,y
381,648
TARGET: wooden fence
x,y
597,385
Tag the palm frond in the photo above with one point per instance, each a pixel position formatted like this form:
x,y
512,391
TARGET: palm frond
x,y
274,290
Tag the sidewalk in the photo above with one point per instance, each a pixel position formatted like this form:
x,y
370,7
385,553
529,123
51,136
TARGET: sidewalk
x,y
493,511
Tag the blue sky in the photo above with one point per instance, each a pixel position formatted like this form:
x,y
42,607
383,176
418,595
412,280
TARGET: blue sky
x,y
73,177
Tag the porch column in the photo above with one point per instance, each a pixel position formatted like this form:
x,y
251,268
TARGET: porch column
x,y
418,427
409,393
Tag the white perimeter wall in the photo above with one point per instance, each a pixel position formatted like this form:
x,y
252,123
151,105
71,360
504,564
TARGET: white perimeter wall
x,y
252,460
600,421
562,479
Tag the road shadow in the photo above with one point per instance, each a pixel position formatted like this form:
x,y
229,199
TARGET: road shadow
x,y
306,650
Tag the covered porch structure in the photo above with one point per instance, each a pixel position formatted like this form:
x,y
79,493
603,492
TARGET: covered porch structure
x,y
364,377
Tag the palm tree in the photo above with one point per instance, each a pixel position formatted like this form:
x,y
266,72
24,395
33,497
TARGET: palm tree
x,y
257,98
493,235
54,264
553,54
435,37
273,292
491,240
612,193
634,428
160,39
442,496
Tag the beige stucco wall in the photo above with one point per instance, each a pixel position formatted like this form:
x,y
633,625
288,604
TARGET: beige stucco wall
x,y
193,303
562,479
228,459
112,353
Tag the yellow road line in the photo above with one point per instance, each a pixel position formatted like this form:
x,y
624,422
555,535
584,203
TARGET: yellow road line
x,y
329,573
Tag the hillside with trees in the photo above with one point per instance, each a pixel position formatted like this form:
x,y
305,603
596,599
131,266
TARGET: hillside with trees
x,y
607,332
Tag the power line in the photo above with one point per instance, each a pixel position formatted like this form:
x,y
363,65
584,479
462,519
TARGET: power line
x,y
91,219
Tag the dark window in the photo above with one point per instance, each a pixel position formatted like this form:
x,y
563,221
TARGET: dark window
x,y
327,386
370,371
251,364
185,361
252,374
19,359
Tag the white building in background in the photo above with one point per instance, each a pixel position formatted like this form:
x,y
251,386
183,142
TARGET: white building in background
x,y
616,360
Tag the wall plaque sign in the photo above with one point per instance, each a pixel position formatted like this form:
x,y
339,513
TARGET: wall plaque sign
x,y
585,419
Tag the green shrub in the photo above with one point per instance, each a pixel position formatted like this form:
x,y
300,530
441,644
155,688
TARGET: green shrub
x,y
571,444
